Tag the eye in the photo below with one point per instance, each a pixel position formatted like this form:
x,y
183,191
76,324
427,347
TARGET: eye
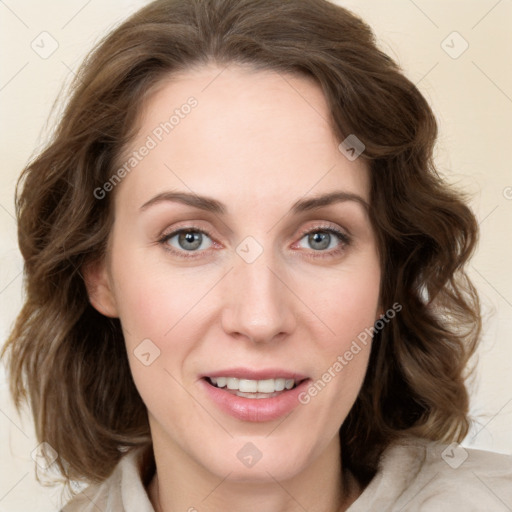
x,y
188,240
327,240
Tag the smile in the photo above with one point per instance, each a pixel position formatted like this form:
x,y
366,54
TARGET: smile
x,y
255,399
247,388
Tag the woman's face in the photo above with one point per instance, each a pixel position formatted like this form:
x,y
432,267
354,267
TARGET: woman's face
x,y
268,289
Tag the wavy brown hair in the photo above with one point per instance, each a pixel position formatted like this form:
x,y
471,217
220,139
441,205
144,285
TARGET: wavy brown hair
x,y
70,362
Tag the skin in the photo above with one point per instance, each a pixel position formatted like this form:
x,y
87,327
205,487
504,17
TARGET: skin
x,y
258,141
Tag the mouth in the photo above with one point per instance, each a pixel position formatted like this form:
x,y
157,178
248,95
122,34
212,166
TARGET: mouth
x,y
254,389
255,396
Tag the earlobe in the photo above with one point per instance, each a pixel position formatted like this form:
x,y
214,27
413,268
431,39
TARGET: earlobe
x,y
99,288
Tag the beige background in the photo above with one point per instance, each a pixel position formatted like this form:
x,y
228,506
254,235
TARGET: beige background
x,y
471,93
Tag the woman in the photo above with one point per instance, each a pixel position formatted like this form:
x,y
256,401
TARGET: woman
x,y
245,279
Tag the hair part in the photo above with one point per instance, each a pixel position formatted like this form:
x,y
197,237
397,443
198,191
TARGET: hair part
x,y
70,362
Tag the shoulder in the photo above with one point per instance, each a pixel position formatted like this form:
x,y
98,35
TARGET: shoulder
x,y
122,491
452,475
418,474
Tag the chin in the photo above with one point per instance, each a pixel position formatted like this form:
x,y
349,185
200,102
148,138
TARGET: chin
x,y
257,459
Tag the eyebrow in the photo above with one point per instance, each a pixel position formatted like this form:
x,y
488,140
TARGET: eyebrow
x,y
212,205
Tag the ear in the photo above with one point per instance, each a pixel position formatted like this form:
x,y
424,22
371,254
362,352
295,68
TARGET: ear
x,y
99,288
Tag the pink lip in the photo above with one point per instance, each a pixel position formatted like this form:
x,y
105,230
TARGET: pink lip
x,y
254,409
251,374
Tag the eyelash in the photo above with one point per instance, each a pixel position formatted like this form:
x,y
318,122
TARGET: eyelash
x,y
344,239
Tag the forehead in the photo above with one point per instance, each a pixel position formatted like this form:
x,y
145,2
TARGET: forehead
x,y
236,132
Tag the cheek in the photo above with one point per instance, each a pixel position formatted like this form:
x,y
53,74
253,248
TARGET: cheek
x,y
348,307
157,332
348,303
144,311
158,306
151,299
343,353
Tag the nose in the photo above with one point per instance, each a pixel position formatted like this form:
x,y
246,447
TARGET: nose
x,y
258,305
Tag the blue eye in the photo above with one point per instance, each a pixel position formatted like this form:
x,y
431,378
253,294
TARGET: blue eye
x,y
189,240
325,240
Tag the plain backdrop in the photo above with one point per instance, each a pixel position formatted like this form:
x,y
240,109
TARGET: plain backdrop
x,y
457,52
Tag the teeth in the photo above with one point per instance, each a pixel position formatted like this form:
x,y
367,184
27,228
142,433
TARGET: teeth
x,y
280,384
232,382
253,386
248,386
264,386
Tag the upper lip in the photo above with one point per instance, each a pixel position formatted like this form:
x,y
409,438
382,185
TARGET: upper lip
x,y
252,374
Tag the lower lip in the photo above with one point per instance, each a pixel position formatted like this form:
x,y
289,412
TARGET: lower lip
x,y
255,409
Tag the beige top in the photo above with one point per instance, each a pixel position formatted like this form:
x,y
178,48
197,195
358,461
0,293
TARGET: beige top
x,y
415,475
